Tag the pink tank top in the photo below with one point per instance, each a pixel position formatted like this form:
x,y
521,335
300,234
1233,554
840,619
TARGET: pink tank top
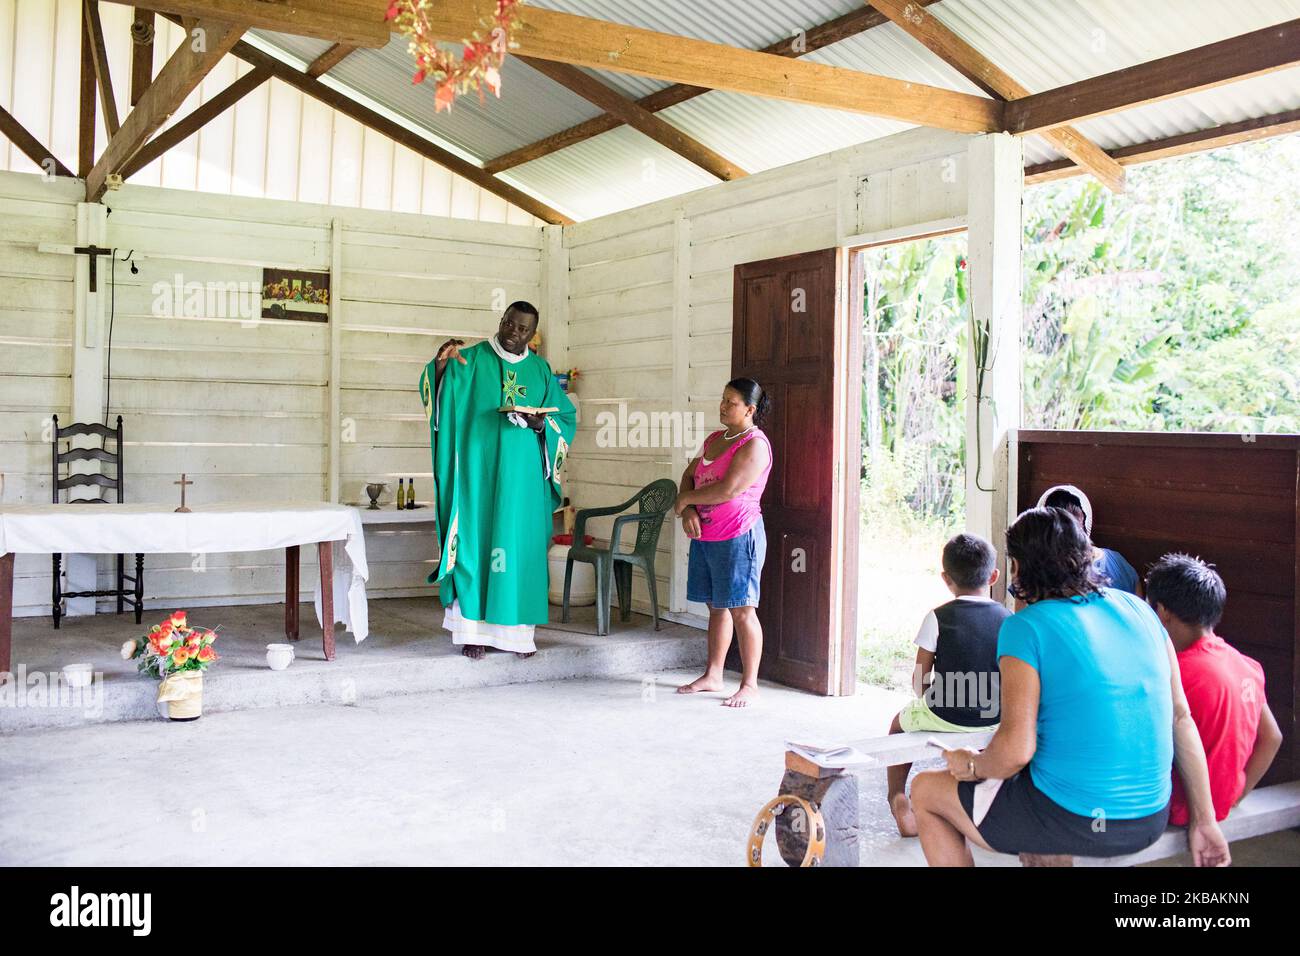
x,y
732,518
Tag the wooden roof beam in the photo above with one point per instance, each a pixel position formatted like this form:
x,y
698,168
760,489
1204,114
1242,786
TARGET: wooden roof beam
x,y
639,118
177,79
355,22
142,32
581,41
977,68
33,148
329,59
86,106
99,57
1168,147
1251,54
806,41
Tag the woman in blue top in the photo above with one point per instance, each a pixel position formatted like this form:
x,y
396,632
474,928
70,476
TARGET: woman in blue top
x,y
1093,714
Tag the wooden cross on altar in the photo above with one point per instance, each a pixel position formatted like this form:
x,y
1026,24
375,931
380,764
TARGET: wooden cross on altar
x,y
182,509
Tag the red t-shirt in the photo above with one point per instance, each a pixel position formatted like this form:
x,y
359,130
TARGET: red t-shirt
x,y
1225,690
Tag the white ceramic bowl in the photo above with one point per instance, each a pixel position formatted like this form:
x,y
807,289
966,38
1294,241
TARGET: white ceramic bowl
x,y
279,656
79,675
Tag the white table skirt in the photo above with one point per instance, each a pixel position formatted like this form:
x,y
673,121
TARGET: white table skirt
x,y
237,526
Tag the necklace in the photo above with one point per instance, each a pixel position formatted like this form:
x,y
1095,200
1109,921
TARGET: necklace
x,y
727,437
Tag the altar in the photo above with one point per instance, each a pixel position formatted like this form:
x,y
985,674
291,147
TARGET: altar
x,y
335,530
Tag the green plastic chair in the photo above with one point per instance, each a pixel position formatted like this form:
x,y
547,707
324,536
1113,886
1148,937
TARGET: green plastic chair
x,y
653,502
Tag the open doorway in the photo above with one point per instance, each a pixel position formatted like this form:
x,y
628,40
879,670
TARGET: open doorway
x,y
914,319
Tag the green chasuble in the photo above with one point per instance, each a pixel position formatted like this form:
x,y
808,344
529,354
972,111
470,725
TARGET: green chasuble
x,y
496,483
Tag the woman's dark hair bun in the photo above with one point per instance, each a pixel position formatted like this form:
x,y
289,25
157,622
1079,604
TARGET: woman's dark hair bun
x,y
751,393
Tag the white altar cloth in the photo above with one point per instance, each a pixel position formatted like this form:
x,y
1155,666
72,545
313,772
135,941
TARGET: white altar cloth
x,y
236,526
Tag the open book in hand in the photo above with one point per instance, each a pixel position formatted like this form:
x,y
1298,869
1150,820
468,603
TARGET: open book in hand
x,y
832,756
528,409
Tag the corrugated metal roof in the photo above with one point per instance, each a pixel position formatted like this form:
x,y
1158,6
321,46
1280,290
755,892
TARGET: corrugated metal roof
x,y
1048,44
532,106
1043,44
616,170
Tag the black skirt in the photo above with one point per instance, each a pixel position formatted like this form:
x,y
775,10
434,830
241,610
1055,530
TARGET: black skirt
x,y
1023,819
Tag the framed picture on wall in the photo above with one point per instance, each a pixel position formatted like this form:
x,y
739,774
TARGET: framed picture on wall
x,y
304,296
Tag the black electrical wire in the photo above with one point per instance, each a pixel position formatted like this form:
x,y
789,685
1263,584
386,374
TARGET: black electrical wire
x,y
112,311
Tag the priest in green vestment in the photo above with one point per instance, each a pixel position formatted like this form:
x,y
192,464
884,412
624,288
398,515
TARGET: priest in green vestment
x,y
497,482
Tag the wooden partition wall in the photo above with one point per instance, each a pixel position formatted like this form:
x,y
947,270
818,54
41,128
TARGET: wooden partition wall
x,y
1233,500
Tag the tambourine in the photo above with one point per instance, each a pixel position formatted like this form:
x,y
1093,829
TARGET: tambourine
x,y
816,849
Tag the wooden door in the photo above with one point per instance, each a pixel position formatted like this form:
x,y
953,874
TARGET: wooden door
x,y
784,325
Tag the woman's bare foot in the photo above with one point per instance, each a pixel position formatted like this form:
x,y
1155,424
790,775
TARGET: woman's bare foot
x,y
524,655
904,818
742,697
474,652
701,684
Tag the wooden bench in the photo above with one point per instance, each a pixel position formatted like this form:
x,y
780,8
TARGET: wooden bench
x,y
1265,810
835,792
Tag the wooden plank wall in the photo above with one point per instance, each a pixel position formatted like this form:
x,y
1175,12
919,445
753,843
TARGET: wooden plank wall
x,y
1230,499
36,327
243,407
650,293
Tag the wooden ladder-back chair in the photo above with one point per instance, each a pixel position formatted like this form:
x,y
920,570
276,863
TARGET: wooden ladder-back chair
x,y
135,595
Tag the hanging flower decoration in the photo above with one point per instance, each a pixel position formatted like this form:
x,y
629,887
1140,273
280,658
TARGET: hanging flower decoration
x,y
479,65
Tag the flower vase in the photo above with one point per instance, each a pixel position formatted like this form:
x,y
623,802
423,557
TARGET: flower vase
x,y
180,696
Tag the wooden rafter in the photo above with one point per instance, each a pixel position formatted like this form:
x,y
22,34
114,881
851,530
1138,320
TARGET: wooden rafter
x,y
182,73
99,56
395,131
86,106
356,22
142,30
32,148
639,118
977,68
821,35
183,129
1251,54
1263,127
581,41
329,59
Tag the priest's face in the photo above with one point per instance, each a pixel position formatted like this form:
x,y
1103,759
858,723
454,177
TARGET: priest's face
x,y
516,330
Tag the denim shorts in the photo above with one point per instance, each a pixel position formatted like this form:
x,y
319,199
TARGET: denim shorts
x,y
726,573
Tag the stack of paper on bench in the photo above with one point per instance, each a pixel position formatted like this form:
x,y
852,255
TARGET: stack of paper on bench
x,y
831,756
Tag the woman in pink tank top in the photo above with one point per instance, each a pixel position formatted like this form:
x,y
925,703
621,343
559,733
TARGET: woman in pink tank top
x,y
719,507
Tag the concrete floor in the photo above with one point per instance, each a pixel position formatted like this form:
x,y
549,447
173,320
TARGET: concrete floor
x,y
406,652
598,771
604,769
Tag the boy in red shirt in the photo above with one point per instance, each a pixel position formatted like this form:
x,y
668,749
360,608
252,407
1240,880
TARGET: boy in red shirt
x,y
1224,688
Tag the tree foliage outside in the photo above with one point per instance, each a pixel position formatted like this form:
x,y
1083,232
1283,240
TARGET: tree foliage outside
x,y
1172,307
913,407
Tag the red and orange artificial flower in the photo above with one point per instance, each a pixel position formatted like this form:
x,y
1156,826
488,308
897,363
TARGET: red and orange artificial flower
x,y
173,646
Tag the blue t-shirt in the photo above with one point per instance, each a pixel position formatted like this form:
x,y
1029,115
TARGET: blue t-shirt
x,y
1119,573
1105,712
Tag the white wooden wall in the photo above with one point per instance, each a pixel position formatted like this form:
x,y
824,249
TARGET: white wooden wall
x,y
639,301
37,302
244,407
276,142
650,295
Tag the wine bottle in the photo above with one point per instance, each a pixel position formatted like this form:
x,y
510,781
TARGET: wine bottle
x,y
401,493
410,495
